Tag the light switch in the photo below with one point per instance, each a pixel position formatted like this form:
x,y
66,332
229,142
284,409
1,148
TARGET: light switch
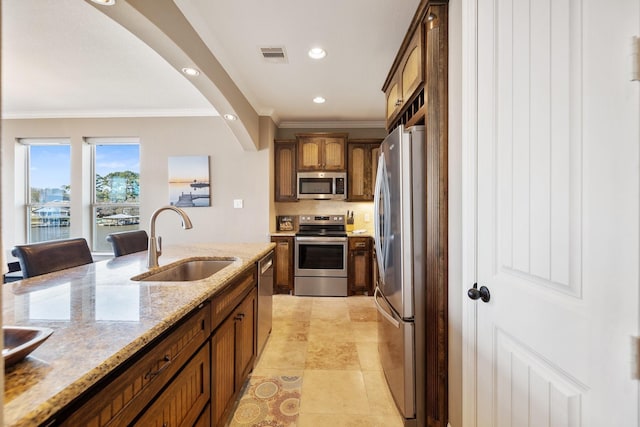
x,y
237,203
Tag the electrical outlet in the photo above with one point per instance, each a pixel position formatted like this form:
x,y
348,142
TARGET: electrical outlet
x,y
366,217
237,203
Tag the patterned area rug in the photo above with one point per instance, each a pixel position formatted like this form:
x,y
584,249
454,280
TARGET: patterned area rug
x,y
269,402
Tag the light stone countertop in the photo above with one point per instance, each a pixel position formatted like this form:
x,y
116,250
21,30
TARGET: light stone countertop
x,y
291,233
100,318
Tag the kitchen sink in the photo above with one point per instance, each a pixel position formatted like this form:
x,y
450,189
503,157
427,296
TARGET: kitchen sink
x,y
19,341
186,271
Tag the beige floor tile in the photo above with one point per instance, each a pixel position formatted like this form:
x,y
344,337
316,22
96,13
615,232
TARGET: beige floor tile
x,y
327,330
347,420
267,372
333,392
290,329
365,331
360,301
380,399
292,301
363,314
386,421
330,309
283,354
299,314
288,307
332,355
368,356
332,343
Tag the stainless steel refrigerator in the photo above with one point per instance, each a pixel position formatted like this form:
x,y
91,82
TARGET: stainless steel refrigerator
x,y
399,218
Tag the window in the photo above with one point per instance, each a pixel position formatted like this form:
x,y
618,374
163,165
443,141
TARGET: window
x,y
48,184
116,188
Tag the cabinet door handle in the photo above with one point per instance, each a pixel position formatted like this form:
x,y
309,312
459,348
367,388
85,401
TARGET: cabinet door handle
x,y
150,374
240,316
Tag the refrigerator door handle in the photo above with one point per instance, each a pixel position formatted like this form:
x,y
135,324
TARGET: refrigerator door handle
x,y
378,234
382,311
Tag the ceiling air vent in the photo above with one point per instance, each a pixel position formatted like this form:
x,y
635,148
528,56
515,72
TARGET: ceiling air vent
x,y
275,55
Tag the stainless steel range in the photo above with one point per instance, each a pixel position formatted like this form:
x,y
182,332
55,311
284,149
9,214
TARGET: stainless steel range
x,y
321,256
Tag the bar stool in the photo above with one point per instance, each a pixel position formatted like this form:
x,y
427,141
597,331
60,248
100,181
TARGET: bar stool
x,y
128,242
46,257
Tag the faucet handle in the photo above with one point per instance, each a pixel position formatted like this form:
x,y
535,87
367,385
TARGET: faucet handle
x,y
159,251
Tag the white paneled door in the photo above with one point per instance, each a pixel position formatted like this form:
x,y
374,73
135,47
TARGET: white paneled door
x,y
557,211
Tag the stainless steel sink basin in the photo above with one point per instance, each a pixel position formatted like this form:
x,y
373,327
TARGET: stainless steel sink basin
x,y
20,341
186,271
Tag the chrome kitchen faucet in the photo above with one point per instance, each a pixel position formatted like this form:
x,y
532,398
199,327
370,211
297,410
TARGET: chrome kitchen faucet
x,y
156,250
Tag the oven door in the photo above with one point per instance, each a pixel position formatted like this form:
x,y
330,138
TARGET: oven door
x,y
321,256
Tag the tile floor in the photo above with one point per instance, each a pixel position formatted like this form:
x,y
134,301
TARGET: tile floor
x,y
331,342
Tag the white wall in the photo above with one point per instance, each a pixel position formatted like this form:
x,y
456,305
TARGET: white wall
x,y
235,174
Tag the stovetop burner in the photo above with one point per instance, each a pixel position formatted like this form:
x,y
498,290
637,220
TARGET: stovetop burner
x,y
322,226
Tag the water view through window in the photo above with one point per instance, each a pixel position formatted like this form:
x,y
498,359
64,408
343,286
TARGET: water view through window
x,y
116,191
49,192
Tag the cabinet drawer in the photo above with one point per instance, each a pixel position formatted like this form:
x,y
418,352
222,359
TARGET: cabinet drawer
x,y
121,400
224,303
359,244
185,398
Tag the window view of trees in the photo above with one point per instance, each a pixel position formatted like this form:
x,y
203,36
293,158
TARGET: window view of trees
x,y
118,187
116,191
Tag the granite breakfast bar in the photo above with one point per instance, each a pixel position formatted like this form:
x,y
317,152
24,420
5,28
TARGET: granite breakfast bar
x,y
101,319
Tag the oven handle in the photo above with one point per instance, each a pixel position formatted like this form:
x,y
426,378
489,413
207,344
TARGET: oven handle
x,y
382,311
320,239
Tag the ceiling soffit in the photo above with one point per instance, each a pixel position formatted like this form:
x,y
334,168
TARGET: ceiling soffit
x,y
162,26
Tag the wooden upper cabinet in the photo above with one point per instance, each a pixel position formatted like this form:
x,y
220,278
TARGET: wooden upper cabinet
x,y
321,152
362,155
407,74
285,153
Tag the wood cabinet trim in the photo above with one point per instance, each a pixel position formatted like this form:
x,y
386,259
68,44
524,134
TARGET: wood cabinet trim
x,y
225,302
185,397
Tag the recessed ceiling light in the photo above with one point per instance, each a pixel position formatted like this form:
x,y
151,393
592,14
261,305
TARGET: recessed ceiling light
x,y
319,100
104,2
317,53
230,117
190,71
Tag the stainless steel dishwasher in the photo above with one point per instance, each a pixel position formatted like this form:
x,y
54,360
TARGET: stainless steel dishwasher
x,y
265,301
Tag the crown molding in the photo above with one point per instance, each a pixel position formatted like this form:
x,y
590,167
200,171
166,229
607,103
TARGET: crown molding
x,y
355,124
84,114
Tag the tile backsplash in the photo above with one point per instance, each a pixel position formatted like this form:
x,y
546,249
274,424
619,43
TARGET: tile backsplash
x,y
362,210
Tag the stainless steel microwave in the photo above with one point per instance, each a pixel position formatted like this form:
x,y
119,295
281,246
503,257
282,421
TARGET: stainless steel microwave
x,y
322,185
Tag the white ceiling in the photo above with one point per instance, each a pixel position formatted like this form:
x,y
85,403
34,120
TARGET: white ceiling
x,y
64,58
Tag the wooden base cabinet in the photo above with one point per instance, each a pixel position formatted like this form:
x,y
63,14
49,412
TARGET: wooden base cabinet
x,y
360,265
189,376
169,362
233,351
181,403
283,262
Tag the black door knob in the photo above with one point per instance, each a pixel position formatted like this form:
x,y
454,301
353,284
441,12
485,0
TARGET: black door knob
x,y
482,293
